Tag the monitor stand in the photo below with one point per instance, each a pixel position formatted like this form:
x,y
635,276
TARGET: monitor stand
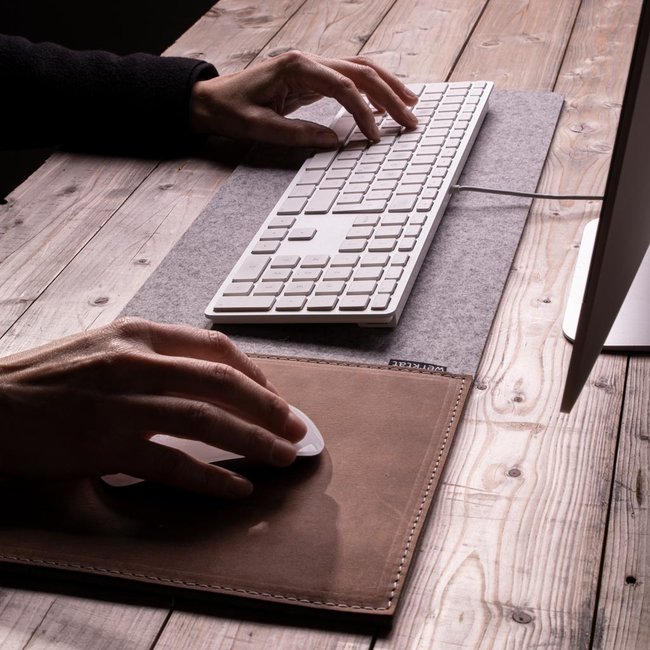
x,y
631,330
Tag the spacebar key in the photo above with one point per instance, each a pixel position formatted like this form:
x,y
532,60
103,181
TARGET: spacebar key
x,y
244,303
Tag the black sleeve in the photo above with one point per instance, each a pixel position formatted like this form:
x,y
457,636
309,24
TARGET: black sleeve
x,y
93,99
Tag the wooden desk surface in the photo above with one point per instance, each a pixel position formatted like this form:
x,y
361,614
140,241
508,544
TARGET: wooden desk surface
x,y
539,537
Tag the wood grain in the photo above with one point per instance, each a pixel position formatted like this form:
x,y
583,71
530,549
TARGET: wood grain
x,y
623,616
420,40
512,555
513,31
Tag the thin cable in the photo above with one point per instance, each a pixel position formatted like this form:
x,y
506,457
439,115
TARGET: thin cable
x,y
529,195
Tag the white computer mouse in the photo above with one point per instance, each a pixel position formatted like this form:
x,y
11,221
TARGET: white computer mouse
x,y
311,445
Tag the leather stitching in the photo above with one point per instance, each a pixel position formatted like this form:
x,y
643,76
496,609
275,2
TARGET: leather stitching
x,y
249,592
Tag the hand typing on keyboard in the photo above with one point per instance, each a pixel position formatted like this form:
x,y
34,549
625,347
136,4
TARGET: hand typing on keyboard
x,y
252,104
346,240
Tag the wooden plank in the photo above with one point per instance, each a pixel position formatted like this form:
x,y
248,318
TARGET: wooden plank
x,y
233,32
514,31
49,218
512,554
334,29
37,620
420,40
97,284
198,632
91,289
623,618
50,223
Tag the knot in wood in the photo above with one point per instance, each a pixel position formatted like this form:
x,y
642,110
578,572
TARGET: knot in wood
x,y
519,616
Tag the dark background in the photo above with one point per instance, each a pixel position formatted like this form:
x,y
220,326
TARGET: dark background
x,y
121,26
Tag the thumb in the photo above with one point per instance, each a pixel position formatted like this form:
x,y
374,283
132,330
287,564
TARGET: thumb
x,y
276,129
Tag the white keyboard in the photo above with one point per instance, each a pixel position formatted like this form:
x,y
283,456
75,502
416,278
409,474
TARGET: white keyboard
x,y
347,239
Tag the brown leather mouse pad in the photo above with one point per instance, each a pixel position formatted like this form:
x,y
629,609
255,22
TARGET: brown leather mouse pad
x,y
335,532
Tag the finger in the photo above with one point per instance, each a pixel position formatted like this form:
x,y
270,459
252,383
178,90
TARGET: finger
x,y
218,384
185,418
403,91
192,342
161,464
325,80
267,126
369,80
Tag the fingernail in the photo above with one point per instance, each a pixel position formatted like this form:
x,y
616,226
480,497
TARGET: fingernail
x,y
283,452
295,428
326,139
239,487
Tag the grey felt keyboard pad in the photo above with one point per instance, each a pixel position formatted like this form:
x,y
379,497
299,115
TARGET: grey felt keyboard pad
x,y
450,311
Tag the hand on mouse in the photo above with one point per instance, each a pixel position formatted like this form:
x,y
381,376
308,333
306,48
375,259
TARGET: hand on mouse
x,y
252,104
88,404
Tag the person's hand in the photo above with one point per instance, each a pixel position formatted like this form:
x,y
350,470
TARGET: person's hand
x,y
252,104
88,405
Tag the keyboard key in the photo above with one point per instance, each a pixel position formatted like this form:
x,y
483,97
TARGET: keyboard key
x,y
359,232
238,289
281,222
387,286
363,207
339,273
274,234
251,269
345,259
374,259
276,275
402,203
292,205
290,303
382,245
388,231
380,302
366,220
285,261
304,191
354,303
418,219
344,164
312,177
412,231
302,234
321,201
395,219
268,289
244,303
399,259
350,199
407,244
361,287
333,288
315,261
393,273
299,288
369,273
321,160
304,274
322,303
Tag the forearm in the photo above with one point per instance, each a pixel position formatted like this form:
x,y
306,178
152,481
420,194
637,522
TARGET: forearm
x,y
52,95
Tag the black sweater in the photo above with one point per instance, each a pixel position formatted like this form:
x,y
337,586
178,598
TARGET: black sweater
x,y
92,99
